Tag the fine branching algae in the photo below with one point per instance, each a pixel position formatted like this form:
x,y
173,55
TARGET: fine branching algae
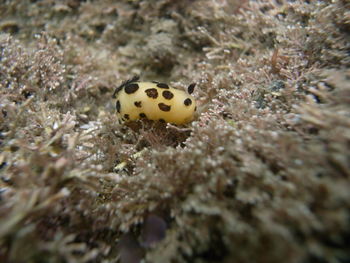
x,y
258,172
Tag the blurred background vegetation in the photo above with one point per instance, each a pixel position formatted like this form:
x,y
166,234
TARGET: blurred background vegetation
x,y
261,175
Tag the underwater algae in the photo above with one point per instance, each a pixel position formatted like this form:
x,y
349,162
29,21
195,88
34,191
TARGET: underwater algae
x,y
261,174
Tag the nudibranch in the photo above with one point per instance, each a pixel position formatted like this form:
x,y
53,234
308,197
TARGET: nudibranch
x,y
154,101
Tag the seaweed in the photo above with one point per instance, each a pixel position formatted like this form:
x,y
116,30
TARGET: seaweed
x,y
261,174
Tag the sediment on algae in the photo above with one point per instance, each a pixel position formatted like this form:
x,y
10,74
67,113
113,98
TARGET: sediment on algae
x,y
261,174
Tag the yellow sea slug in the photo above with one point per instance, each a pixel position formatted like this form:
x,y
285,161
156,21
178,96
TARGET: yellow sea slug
x,y
154,101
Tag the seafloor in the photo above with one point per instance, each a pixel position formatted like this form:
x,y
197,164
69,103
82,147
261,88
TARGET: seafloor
x,y
261,175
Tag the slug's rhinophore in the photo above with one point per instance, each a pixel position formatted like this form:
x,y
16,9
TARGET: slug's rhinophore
x,y
154,101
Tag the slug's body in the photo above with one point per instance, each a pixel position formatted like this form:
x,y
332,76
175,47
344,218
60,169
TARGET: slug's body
x,y
154,101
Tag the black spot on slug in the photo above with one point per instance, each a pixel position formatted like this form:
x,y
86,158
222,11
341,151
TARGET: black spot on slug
x,y
134,79
138,104
131,88
190,88
162,86
117,105
164,107
152,93
167,94
126,116
142,115
162,120
187,102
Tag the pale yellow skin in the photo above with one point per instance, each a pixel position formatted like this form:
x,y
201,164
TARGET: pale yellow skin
x,y
179,112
